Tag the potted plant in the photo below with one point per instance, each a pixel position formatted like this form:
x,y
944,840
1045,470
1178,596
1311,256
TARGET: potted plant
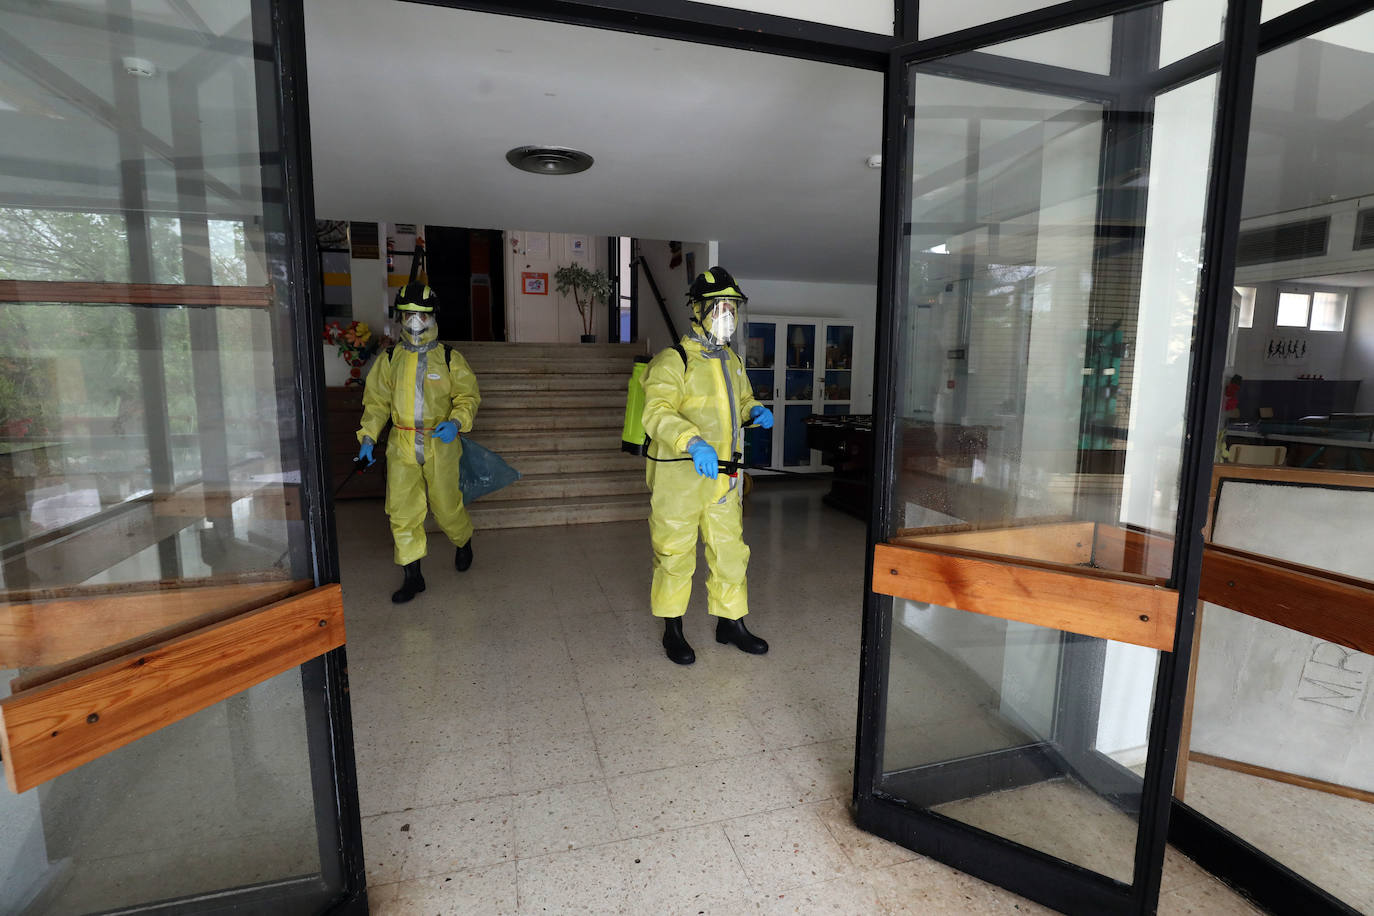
x,y
587,287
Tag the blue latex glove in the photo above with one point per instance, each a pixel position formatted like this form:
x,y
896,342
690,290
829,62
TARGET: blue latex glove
x,y
761,416
446,431
704,458
365,453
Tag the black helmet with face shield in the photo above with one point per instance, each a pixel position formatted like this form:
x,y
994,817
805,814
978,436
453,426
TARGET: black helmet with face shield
x,y
717,305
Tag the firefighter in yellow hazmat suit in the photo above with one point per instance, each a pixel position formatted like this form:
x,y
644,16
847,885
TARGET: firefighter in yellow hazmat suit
x,y
697,401
430,394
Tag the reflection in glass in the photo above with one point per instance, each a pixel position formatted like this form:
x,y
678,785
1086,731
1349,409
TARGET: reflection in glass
x,y
801,346
759,345
1046,325
795,451
1044,371
150,456
1022,731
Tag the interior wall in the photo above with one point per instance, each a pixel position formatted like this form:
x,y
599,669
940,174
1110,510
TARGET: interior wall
x,y
856,302
549,317
673,283
1359,351
1326,350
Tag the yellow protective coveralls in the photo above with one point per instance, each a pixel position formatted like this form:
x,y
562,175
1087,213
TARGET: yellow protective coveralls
x,y
710,398
417,391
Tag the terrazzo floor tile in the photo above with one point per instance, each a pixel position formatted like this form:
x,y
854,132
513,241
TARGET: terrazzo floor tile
x,y
864,850
489,891
821,770
683,872
553,760
447,838
787,849
583,881
480,770
699,794
563,817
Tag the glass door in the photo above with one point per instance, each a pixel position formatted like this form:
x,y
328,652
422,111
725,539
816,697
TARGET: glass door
x,y
173,719
798,391
1024,595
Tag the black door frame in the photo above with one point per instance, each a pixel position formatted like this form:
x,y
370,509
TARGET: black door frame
x,y
1017,868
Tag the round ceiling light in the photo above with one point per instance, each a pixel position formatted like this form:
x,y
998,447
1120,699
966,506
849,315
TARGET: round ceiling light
x,y
549,160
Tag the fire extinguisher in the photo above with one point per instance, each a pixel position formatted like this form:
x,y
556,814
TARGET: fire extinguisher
x,y
390,254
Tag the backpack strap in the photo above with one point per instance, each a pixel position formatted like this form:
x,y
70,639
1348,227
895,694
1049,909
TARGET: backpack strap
x,y
681,351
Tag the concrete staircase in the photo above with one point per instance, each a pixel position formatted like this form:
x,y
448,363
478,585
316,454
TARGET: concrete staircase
x,y
554,412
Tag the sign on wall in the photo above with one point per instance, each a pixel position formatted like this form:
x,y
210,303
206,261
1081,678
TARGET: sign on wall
x,y
534,284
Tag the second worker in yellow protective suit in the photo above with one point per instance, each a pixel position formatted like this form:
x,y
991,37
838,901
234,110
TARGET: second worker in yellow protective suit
x,y
697,401
429,394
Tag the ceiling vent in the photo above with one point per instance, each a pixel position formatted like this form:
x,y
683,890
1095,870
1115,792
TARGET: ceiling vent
x,y
1364,230
1284,242
549,160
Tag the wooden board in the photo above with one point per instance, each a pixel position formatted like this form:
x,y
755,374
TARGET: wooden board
x,y
1128,550
162,294
1066,543
1336,608
1291,779
1099,605
51,730
48,632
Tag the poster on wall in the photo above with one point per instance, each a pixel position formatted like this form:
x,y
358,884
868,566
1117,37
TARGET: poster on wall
x,y
365,243
1285,350
577,245
534,284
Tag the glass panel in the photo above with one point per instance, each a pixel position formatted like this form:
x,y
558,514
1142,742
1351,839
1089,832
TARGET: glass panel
x,y
940,17
1328,311
801,346
150,452
1282,737
837,385
758,446
1293,310
1246,317
760,347
1046,324
1279,715
1022,731
1048,316
795,452
839,347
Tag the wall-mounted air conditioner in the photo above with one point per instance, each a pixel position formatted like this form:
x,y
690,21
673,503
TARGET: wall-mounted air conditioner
x,y
1334,238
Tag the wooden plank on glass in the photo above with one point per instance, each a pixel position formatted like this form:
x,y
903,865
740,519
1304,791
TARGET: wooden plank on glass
x,y
1132,551
1292,779
45,633
159,294
1327,605
1068,543
52,729
1086,602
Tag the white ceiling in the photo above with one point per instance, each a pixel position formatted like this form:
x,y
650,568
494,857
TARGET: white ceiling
x,y
413,107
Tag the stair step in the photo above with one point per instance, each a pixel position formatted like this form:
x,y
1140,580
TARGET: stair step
x,y
611,399
509,443
531,513
510,419
616,368
486,349
560,486
576,462
552,380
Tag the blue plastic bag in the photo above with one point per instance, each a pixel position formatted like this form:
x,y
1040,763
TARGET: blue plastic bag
x,y
482,471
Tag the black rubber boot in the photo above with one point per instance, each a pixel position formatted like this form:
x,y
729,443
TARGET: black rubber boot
x,y
734,631
675,644
414,584
462,560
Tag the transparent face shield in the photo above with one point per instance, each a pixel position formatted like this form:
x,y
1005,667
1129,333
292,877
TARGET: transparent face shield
x,y
723,322
414,325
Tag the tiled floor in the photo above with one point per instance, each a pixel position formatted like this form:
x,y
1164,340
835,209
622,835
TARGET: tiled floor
x,y
524,747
